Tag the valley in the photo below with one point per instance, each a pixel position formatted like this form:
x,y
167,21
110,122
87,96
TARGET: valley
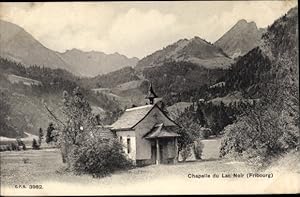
x,y
193,78
139,97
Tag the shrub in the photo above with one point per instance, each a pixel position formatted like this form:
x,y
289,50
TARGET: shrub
x,y
198,149
41,136
99,157
3,148
259,138
235,138
189,130
14,146
205,132
35,145
24,146
25,160
8,148
82,147
21,143
186,152
49,136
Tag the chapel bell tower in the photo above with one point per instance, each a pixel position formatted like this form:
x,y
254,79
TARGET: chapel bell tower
x,y
151,95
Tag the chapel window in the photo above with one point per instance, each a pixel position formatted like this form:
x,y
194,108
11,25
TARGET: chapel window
x,y
128,145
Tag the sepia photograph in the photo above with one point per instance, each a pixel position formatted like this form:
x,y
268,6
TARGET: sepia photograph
x,y
149,98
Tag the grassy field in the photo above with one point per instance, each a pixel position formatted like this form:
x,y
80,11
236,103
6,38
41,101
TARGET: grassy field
x,y
42,167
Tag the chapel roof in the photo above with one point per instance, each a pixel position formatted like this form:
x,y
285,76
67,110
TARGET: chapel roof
x,y
131,117
159,131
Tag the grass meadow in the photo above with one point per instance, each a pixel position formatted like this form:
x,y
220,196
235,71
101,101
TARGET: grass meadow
x,y
44,167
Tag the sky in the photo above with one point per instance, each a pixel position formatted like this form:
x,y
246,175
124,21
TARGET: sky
x,y
135,29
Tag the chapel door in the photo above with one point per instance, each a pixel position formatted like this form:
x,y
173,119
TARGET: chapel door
x,y
153,153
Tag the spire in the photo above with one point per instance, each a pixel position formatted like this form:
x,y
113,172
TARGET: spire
x,y
151,94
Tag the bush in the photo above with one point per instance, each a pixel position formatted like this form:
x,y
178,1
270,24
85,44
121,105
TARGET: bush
x,y
186,152
24,146
198,149
99,157
3,148
235,139
82,147
21,143
14,146
8,148
35,145
25,160
205,132
49,136
260,141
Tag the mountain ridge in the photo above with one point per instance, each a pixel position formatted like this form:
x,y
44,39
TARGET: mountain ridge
x,y
240,38
18,45
97,62
195,50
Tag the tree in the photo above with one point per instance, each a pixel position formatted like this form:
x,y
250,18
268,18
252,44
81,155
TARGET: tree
x,y
82,147
98,157
21,143
41,135
49,135
271,126
222,119
80,122
4,109
200,115
5,128
198,149
35,145
164,108
14,146
189,131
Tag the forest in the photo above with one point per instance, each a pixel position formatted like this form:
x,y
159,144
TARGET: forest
x,y
30,114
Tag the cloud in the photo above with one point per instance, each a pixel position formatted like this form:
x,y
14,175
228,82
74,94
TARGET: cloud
x,y
134,28
142,32
60,26
221,18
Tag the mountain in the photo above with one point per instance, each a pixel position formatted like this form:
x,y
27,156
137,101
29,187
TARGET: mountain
x,y
183,66
124,86
271,125
261,90
111,79
178,81
18,45
94,62
195,50
263,64
28,89
240,39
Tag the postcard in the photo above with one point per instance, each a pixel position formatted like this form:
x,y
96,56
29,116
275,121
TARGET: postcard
x,y
149,98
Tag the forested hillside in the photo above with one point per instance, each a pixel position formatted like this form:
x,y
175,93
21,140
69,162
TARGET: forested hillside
x,y
248,74
271,127
240,39
111,79
196,50
176,81
258,98
26,104
256,93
